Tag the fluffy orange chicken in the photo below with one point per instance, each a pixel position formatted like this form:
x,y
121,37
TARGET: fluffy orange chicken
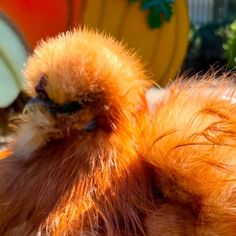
x,y
92,157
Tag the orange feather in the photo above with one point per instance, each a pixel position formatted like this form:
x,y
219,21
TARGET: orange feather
x,y
5,153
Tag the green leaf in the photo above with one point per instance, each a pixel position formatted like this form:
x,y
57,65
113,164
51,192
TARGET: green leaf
x,y
154,18
149,3
159,10
167,11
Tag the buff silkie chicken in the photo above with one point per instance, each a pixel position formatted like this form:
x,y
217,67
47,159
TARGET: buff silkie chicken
x,y
95,155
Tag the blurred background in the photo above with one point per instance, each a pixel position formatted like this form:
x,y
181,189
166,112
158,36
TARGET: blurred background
x,y
171,36
212,36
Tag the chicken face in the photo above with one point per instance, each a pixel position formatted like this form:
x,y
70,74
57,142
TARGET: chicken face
x,y
74,156
82,74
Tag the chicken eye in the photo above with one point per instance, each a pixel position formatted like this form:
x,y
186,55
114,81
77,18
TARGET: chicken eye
x,y
40,87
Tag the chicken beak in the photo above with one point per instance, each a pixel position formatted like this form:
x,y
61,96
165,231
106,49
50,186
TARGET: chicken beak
x,y
36,102
33,103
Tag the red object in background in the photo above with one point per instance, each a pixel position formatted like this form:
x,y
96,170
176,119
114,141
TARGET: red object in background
x,y
37,19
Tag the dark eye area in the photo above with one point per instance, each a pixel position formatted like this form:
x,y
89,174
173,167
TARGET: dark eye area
x,y
70,108
40,87
52,106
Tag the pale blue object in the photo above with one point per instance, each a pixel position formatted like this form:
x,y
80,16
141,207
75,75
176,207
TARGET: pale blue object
x,y
13,55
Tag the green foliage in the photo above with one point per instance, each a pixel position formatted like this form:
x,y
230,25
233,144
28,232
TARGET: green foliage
x,y
159,11
230,45
206,47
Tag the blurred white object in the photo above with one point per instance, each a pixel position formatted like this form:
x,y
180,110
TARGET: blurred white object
x,y
154,95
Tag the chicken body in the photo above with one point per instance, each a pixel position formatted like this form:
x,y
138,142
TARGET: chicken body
x,y
90,157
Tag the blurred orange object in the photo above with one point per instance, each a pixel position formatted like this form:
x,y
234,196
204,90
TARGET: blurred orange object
x,y
5,153
41,19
